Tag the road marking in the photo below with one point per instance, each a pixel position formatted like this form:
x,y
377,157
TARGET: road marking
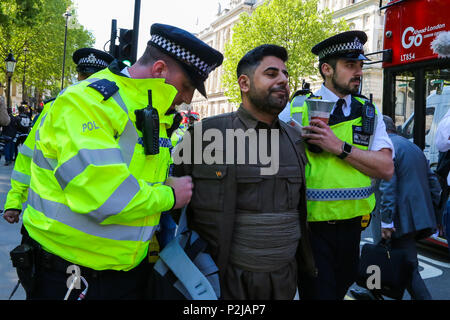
x,y
429,271
438,263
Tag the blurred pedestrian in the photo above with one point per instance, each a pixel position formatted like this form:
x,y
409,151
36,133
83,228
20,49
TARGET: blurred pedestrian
x,y
408,204
343,158
98,176
254,222
24,121
4,116
9,133
442,140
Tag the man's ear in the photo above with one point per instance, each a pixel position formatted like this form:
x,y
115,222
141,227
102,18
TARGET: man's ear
x,y
244,83
159,69
327,70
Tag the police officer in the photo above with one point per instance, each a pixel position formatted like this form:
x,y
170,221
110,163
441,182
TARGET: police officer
x,y
99,171
88,61
353,148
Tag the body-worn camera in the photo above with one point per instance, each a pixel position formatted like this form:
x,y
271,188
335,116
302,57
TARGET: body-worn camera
x,y
368,118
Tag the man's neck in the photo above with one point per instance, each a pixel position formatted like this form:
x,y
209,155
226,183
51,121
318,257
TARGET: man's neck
x,y
257,114
138,71
329,86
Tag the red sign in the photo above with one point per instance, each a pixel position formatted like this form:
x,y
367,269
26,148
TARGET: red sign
x,y
410,28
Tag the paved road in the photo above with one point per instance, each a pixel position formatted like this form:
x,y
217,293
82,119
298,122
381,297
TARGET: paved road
x,y
9,239
434,268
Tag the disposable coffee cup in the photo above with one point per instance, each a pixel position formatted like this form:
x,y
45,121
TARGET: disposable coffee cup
x,y
319,109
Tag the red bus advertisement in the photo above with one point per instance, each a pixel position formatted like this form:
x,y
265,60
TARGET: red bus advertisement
x,y
416,72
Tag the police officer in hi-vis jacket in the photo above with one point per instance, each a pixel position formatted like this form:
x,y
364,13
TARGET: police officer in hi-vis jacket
x,y
343,156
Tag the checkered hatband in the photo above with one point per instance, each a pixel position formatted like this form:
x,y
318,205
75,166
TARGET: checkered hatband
x,y
92,60
183,55
355,45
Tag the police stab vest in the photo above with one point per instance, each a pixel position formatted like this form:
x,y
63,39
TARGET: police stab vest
x,y
336,190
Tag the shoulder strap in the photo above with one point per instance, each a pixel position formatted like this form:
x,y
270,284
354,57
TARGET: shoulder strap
x,y
106,88
186,272
48,100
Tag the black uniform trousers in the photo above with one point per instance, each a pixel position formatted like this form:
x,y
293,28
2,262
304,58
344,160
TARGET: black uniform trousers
x,y
335,246
52,284
51,276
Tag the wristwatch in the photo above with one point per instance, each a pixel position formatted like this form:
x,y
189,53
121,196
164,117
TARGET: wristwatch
x,y
346,150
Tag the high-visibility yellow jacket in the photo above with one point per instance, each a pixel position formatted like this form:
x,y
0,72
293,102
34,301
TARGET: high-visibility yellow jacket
x,y
335,189
20,176
95,198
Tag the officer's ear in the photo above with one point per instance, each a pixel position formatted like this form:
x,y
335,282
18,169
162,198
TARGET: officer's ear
x,y
160,69
327,69
244,83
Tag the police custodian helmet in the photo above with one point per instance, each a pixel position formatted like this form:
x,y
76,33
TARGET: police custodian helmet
x,y
348,45
196,57
89,60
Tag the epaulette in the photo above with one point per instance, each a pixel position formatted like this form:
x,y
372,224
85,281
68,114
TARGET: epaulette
x,y
301,92
106,88
48,100
360,96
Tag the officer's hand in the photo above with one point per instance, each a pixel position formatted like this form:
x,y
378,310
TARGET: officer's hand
x,y
183,190
321,135
11,215
386,233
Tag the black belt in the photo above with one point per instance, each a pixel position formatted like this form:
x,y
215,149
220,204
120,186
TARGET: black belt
x,y
50,261
352,220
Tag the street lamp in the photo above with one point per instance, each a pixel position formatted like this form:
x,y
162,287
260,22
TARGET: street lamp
x,y
10,66
24,92
66,15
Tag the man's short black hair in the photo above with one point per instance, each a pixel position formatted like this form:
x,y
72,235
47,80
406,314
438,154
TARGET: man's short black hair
x,y
251,60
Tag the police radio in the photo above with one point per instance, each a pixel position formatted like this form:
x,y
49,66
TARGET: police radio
x,y
368,117
147,121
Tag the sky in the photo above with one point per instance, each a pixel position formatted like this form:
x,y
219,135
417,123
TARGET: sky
x,y
96,16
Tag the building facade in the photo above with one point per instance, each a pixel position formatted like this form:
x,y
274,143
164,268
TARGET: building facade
x,y
362,15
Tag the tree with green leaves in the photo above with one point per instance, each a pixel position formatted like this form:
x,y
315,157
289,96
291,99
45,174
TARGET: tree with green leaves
x,y
39,26
296,25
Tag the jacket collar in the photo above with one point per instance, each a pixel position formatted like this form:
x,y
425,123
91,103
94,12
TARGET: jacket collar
x,y
252,123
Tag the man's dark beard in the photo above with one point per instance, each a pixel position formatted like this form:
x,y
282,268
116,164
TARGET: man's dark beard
x,y
345,90
267,103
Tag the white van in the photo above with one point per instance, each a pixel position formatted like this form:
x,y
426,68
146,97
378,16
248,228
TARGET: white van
x,y
438,103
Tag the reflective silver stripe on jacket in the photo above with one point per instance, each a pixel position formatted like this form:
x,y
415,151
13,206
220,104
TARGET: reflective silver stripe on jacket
x,y
21,177
83,222
129,136
43,162
84,158
26,151
118,200
339,194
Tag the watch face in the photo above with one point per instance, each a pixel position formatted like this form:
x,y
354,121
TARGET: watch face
x,y
347,148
